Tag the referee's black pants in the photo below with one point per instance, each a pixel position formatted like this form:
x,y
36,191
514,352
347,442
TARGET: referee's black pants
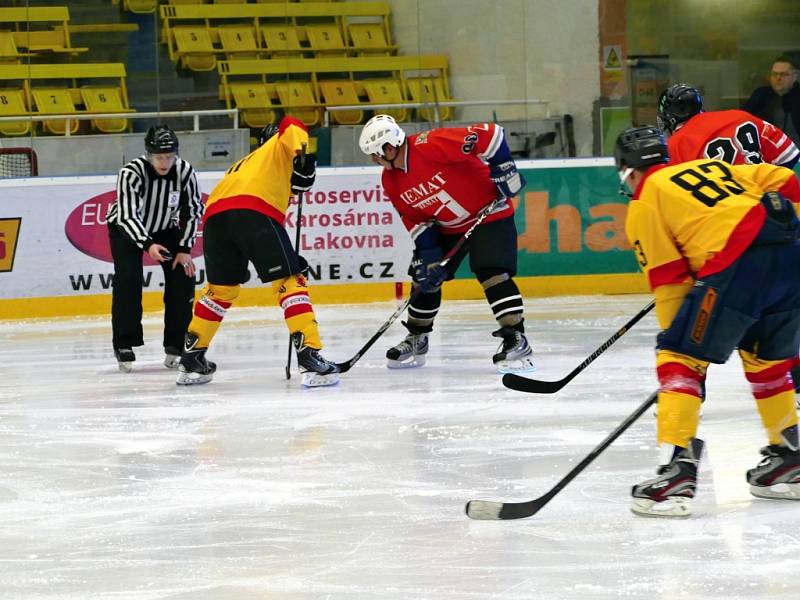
x,y
126,298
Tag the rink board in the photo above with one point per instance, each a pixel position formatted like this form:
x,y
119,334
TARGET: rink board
x,y
55,258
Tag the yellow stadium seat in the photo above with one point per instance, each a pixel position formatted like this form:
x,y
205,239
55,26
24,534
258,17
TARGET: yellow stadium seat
x,y
12,103
429,90
140,6
238,41
386,91
281,39
55,101
342,93
369,38
253,99
325,39
297,98
105,100
194,48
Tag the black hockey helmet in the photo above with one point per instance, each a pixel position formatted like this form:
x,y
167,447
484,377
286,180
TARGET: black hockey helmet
x,y
266,133
677,104
640,147
160,139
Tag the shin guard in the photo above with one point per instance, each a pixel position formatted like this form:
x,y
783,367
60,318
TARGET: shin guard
x,y
773,389
209,310
298,312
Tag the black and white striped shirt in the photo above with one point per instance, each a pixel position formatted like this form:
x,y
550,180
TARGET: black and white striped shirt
x,y
147,203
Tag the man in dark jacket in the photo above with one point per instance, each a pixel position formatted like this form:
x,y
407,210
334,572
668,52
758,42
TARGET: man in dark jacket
x,y
779,102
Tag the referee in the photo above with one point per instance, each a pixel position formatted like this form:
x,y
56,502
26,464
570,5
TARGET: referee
x,y
157,211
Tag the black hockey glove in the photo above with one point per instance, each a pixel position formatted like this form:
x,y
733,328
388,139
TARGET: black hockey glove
x,y
304,268
425,269
508,180
303,175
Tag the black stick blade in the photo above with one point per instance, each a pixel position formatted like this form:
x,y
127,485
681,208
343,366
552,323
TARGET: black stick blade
x,y
485,510
532,386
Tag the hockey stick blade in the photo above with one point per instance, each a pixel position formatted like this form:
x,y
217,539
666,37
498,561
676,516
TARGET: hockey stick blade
x,y
486,510
536,386
345,366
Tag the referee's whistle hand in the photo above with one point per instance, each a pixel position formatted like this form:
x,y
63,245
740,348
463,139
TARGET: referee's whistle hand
x,y
156,251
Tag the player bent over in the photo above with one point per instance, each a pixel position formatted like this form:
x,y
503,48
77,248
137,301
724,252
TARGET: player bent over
x,y
719,246
244,222
439,181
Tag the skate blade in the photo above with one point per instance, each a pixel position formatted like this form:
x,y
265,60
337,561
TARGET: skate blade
x,y
409,363
677,507
778,491
125,366
523,365
171,361
311,379
185,378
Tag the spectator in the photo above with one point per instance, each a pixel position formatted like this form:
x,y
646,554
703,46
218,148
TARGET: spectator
x,y
779,102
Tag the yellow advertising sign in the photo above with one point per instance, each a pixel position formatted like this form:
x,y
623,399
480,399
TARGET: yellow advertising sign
x,y
9,233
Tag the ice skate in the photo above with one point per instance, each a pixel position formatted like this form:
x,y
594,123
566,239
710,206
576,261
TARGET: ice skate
x,y
514,355
778,473
172,357
315,370
125,359
671,493
410,352
194,368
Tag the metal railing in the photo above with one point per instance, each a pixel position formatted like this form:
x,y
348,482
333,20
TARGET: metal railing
x,y
83,116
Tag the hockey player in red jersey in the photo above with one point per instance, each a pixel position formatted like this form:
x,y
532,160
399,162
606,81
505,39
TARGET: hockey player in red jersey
x,y
439,181
733,136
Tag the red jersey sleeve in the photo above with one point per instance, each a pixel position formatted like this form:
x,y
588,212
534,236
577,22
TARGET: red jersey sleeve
x,y
458,144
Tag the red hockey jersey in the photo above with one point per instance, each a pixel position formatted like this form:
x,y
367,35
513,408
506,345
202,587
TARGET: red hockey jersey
x,y
445,178
733,136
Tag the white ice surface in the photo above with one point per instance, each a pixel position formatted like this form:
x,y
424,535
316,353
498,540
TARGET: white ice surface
x,y
123,487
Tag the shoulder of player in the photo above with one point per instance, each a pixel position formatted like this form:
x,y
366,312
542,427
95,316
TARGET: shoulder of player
x,y
137,166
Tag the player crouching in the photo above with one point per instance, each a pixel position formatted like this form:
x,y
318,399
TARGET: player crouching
x,y
439,181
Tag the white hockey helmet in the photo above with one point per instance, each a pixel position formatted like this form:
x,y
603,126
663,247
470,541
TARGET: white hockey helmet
x,y
380,130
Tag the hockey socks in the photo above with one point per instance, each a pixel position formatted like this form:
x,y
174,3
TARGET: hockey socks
x,y
298,311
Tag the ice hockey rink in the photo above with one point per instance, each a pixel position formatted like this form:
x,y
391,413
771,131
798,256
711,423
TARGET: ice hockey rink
x,y
124,486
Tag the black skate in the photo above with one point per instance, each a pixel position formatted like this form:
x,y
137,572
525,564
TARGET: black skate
x,y
194,368
172,357
125,359
410,352
315,370
514,355
778,473
671,493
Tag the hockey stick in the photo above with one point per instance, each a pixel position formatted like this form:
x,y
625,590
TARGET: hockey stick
x,y
493,511
536,386
296,250
348,364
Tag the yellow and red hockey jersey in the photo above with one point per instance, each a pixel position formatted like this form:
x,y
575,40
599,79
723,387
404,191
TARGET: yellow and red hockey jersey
x,y
446,178
694,219
261,181
733,136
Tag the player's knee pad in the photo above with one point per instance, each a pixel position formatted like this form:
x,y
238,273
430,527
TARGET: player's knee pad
x,y
503,296
681,373
215,300
767,377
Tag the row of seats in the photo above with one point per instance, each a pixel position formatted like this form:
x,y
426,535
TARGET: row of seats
x,y
261,103
27,32
196,47
63,89
302,86
148,6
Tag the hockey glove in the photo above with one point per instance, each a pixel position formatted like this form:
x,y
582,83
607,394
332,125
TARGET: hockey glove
x,y
303,175
425,269
508,180
304,268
